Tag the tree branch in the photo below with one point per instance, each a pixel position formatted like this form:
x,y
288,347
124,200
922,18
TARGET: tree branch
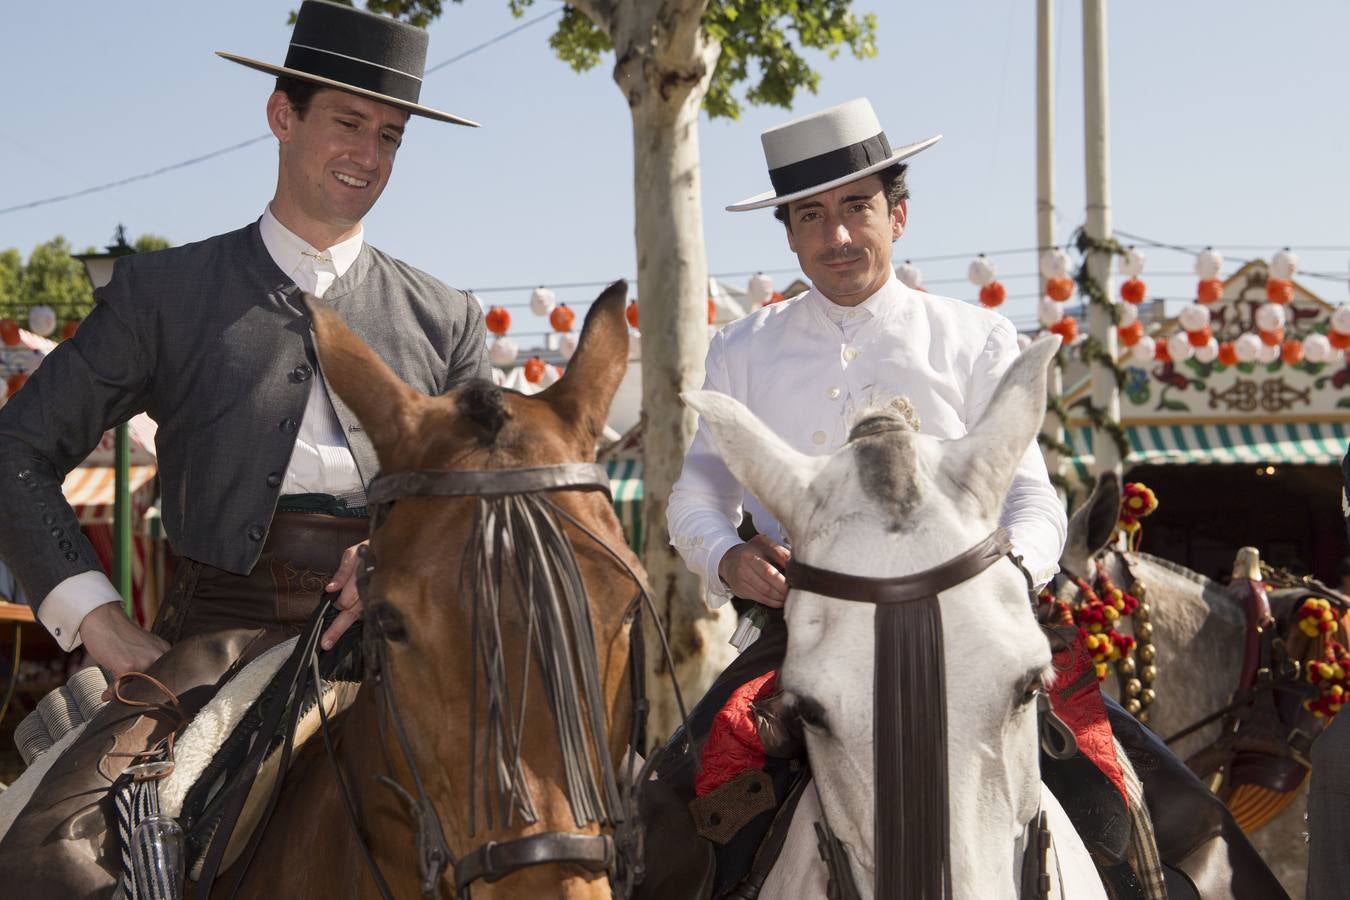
x,y
601,12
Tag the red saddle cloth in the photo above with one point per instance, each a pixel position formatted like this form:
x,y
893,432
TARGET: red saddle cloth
x,y
733,743
1076,697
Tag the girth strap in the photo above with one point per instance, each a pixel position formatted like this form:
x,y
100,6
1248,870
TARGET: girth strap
x,y
594,852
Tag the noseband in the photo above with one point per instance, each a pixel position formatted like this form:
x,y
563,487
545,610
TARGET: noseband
x,y
911,829
515,517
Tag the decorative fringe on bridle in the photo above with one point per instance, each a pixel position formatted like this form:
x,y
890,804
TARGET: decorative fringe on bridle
x,y
517,542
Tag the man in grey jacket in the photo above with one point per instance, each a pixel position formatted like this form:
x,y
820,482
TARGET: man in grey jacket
x,y
262,470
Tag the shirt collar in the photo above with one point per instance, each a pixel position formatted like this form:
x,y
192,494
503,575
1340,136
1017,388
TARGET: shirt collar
x,y
286,247
874,306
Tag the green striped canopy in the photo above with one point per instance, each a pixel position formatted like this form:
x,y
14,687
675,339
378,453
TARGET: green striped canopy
x,y
1275,444
625,482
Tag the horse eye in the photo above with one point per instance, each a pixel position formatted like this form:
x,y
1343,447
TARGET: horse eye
x,y
1031,690
388,621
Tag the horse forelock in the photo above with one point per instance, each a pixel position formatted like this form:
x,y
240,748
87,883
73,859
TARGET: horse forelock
x,y
887,467
483,404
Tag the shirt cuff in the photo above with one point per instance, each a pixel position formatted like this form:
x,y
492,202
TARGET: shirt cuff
x,y
718,593
63,610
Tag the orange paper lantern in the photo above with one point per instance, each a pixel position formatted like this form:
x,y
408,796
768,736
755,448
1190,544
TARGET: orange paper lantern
x,y
1161,353
1059,289
562,318
1272,338
68,330
498,320
1133,291
1339,340
1291,351
778,298
1130,334
712,311
1209,290
993,294
16,381
632,314
534,370
1199,338
1228,354
1066,328
1278,291
9,332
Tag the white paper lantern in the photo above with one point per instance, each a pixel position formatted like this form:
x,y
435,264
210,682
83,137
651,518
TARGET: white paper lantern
x,y
503,351
909,275
1283,265
1208,263
1247,347
550,375
41,319
1132,263
981,271
1023,341
1143,352
1179,347
567,344
1193,317
1208,352
1340,318
1270,317
1049,311
759,290
634,345
1317,348
498,376
1268,353
542,301
1129,314
1054,263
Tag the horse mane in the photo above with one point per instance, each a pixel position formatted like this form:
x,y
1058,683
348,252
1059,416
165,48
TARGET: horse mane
x,y
1177,569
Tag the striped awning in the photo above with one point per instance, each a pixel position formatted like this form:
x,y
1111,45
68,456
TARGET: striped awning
x,y
625,482
91,491
1229,444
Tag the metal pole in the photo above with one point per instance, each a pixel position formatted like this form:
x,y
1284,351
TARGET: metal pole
x,y
1052,426
122,518
1105,393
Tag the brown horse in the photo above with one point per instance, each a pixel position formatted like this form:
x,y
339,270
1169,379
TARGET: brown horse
x,y
414,722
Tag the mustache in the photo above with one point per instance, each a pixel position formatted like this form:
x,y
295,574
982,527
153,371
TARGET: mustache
x,y
838,256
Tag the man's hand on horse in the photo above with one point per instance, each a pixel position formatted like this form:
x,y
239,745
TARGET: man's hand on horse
x,y
753,570
349,603
118,644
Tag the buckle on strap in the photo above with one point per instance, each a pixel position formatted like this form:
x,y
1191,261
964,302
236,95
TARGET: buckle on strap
x,y
493,861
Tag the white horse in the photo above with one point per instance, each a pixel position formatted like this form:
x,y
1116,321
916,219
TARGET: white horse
x,y
893,503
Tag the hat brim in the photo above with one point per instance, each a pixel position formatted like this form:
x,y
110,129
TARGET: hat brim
x,y
769,198
415,108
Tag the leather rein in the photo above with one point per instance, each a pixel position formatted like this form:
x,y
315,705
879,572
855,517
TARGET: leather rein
x,y
620,855
911,836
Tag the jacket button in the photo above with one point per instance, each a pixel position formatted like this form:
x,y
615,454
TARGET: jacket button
x,y
57,532
301,372
72,556
274,480
255,533
64,545
289,426
818,437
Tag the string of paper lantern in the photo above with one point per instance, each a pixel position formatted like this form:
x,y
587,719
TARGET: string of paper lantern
x,y
503,350
1055,271
542,301
759,290
984,275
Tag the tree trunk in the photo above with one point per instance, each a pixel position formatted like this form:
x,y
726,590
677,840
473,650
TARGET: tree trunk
x,y
664,72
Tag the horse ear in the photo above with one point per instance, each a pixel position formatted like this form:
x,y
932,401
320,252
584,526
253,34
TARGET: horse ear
x,y
1092,525
774,472
984,461
584,393
380,399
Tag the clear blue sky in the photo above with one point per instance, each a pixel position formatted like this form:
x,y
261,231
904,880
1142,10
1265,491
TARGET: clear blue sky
x,y
1228,127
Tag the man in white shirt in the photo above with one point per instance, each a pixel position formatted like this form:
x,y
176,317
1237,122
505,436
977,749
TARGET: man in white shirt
x,y
858,339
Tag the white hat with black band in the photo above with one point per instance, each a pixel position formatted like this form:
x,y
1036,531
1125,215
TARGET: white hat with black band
x,y
821,151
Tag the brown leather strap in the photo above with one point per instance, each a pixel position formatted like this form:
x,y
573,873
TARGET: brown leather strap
x,y
487,482
906,588
594,852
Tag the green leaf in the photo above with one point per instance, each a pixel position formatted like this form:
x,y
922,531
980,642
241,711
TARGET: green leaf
x,y
1275,366
1343,403
1175,405
1246,368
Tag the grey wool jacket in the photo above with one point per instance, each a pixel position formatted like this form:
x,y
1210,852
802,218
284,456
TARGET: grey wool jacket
x,y
213,341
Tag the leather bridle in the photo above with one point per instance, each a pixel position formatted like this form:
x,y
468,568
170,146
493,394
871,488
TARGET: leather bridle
x,y
620,855
911,828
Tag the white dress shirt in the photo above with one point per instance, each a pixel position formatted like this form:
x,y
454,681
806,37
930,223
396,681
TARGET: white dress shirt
x,y
321,462
807,367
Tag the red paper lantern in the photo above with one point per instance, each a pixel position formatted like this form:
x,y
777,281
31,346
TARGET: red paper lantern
x,y
16,381
1339,340
1130,334
562,318
993,294
1209,290
1278,291
1161,353
778,298
498,320
1059,289
68,330
9,332
1199,338
1272,338
1228,354
1291,351
712,311
1133,291
1066,328
534,370
632,314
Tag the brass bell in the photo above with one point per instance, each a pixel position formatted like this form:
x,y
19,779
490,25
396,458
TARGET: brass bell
x,y
1147,652
1142,612
1126,665
1133,687
1149,674
1143,716
1132,707
1143,631
1147,697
